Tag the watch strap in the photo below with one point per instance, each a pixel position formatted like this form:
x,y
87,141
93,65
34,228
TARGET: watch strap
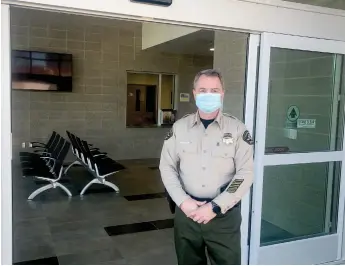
x,y
215,207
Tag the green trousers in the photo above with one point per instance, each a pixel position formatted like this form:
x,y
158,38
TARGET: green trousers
x,y
221,237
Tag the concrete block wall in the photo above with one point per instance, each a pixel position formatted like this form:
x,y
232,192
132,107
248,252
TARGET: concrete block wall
x,y
103,50
230,53
294,196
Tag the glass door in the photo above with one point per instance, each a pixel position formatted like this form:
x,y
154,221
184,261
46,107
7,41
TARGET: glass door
x,y
298,192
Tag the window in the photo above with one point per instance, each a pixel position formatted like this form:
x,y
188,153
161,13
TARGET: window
x,y
150,99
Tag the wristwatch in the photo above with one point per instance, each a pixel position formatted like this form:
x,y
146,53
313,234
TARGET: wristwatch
x,y
215,208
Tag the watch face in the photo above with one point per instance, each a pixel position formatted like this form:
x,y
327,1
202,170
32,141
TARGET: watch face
x,y
216,209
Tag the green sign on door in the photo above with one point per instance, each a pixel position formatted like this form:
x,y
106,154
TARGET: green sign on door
x,y
293,113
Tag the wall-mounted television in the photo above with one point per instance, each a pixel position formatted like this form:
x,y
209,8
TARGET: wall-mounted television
x,y
41,71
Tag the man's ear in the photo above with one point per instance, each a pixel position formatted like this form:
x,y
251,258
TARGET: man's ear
x,y
194,93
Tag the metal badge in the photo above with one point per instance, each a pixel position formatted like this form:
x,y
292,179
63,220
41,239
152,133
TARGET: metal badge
x,y
227,139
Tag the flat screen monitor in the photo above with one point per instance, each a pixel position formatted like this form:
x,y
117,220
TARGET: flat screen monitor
x,y
41,71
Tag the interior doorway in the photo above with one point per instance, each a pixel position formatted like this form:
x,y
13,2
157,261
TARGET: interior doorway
x,y
125,118
256,223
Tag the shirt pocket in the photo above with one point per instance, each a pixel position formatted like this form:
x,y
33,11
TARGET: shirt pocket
x,y
188,148
224,151
223,159
188,153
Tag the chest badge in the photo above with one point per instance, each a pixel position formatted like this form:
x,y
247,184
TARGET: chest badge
x,y
227,138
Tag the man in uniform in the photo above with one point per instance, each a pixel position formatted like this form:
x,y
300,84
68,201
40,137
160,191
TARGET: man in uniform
x,y
206,166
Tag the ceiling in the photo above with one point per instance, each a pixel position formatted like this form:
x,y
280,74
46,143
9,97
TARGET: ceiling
x,y
196,43
337,4
200,42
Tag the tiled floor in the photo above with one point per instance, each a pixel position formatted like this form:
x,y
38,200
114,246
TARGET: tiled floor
x,y
95,229
74,230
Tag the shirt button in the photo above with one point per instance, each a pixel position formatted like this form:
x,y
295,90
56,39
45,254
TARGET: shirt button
x,y
203,185
205,151
204,168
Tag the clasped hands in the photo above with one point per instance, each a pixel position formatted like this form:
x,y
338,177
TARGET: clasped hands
x,y
200,212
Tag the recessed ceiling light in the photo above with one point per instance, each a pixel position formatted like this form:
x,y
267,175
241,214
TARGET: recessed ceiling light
x,y
211,49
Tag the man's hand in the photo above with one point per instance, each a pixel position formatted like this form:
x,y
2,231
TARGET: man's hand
x,y
190,205
204,214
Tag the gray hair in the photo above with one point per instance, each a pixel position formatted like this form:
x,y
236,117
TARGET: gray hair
x,y
209,73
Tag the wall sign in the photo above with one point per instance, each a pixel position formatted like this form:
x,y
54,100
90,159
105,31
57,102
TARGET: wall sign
x,y
293,113
282,149
154,2
184,97
290,125
306,123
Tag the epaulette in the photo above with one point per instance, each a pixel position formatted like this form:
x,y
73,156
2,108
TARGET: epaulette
x,y
188,115
228,115
185,116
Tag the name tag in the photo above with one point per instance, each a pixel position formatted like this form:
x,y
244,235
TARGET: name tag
x,y
185,142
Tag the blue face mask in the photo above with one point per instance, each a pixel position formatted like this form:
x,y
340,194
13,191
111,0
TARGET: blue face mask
x,y
208,102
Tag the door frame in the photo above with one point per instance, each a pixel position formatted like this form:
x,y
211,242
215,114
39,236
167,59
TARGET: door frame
x,y
249,120
269,40
6,139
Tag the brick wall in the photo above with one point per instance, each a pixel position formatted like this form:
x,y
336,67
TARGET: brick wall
x,y
103,50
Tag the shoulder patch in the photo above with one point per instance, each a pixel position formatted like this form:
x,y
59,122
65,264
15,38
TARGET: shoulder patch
x,y
169,134
247,137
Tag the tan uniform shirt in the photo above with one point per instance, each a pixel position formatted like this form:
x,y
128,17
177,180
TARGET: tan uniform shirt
x,y
197,161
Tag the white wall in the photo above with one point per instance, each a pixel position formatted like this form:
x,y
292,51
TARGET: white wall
x,y
265,16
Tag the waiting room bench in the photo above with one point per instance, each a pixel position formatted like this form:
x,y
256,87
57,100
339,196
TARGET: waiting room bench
x,y
95,161
46,164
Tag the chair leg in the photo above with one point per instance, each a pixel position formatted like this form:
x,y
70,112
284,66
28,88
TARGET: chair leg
x,y
64,189
107,183
74,163
93,181
39,191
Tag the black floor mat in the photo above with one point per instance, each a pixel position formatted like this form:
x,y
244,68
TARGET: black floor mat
x,y
145,196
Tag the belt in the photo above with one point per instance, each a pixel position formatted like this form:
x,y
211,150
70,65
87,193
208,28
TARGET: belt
x,y
222,189
172,204
208,200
